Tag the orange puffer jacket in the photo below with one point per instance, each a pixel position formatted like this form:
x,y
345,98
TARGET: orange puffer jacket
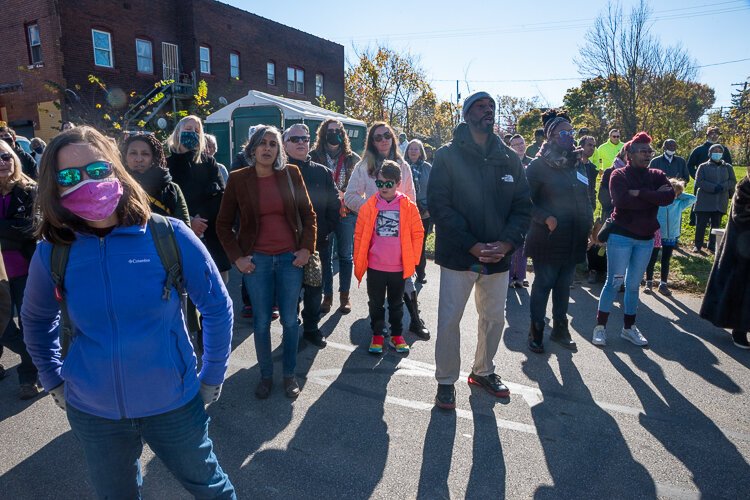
x,y
411,233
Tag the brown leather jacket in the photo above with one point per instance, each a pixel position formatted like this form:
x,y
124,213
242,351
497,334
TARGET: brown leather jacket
x,y
240,202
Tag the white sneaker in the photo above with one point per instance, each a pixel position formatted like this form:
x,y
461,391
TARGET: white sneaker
x,y
600,335
633,334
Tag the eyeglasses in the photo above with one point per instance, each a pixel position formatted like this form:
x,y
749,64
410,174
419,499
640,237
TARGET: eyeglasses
x,y
646,151
68,177
299,138
384,184
382,137
6,156
567,133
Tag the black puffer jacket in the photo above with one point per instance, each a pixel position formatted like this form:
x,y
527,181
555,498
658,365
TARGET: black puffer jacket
x,y
325,200
476,195
16,229
203,186
559,188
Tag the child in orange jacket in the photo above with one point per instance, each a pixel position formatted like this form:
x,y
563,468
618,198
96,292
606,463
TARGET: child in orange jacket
x,y
388,245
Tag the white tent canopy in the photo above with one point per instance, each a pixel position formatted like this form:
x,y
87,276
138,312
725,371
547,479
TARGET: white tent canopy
x,y
293,109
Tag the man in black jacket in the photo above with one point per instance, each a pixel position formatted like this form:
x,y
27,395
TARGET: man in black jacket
x,y
672,165
479,200
28,165
325,201
700,154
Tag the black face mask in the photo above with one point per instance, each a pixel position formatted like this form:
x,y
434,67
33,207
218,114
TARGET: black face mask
x,y
333,138
10,141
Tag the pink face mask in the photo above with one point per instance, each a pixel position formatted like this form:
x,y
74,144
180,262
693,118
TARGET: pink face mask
x,y
93,200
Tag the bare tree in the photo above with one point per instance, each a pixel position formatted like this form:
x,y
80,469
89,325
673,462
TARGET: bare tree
x,y
637,68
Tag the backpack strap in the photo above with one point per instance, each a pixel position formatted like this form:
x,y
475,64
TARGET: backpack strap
x,y
58,264
166,246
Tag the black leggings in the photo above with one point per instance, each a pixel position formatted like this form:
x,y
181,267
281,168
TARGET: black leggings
x,y
379,285
666,256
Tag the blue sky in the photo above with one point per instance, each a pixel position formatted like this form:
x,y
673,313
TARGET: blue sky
x,y
487,44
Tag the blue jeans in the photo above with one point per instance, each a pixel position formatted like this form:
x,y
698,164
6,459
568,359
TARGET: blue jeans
x,y
627,259
555,278
275,281
179,438
343,238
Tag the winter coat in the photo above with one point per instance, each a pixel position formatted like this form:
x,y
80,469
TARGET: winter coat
x,y
241,202
16,229
323,195
592,174
420,172
361,186
670,217
203,186
131,355
559,188
726,302
411,233
477,195
714,185
676,169
165,196
28,164
347,166
605,199
700,156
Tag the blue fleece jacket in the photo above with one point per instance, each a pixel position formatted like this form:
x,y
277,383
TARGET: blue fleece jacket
x,y
670,217
131,355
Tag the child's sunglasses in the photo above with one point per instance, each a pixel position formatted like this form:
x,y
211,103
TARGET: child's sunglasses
x,y
384,184
6,156
68,177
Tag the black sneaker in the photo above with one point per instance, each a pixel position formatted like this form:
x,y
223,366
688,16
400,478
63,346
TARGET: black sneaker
x,y
315,338
740,340
491,383
446,397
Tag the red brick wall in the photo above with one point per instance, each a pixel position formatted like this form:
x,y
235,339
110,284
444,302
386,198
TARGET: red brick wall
x,y
21,105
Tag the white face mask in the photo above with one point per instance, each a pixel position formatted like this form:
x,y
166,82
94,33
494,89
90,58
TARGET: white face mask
x,y
669,153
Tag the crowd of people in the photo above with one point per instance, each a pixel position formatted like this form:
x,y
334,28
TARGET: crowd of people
x,y
93,228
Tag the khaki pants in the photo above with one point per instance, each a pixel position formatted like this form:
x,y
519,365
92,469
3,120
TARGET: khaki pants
x,y
490,296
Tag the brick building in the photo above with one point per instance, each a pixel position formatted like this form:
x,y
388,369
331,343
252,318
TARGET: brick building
x,y
51,46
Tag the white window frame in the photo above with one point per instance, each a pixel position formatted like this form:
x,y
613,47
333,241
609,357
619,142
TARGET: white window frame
x,y
232,67
33,45
270,65
108,49
139,57
297,81
319,81
202,60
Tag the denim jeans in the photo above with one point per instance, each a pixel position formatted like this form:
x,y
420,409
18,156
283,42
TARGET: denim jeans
x,y
179,438
343,238
275,281
555,278
12,338
627,259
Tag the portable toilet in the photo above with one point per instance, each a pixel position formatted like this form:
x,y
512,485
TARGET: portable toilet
x,y
232,123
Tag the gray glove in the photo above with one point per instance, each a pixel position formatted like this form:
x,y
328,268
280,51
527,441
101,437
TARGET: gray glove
x,y
58,396
210,393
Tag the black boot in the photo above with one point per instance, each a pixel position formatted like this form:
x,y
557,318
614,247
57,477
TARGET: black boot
x,y
416,325
536,336
561,334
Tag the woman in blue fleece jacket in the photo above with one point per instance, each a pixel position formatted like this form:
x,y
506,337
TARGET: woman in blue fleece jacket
x,y
130,374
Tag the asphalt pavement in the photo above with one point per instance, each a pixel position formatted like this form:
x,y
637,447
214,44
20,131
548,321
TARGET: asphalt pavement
x,y
670,421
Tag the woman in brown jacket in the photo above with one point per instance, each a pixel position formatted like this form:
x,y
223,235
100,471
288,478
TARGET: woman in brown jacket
x,y
275,238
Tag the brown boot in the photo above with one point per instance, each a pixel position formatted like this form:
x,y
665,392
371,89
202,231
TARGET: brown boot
x,y
346,306
325,306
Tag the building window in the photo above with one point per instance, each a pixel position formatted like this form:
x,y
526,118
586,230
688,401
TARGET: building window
x,y
271,73
234,65
205,54
144,56
295,80
318,85
35,43
102,48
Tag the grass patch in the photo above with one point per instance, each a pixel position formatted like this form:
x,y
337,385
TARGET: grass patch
x,y
688,272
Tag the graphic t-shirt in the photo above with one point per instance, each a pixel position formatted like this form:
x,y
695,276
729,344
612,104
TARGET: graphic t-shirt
x,y
385,247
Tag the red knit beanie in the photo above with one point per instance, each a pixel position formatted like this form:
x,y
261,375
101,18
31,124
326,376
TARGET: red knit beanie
x,y
639,138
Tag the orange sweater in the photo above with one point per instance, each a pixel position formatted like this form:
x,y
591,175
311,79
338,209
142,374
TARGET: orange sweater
x,y
411,233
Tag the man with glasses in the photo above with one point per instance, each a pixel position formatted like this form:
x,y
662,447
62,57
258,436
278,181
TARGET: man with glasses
x,y
479,200
325,201
605,154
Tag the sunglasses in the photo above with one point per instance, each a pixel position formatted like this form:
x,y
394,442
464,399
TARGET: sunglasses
x,y
615,137
568,133
299,138
384,184
6,156
68,177
383,137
